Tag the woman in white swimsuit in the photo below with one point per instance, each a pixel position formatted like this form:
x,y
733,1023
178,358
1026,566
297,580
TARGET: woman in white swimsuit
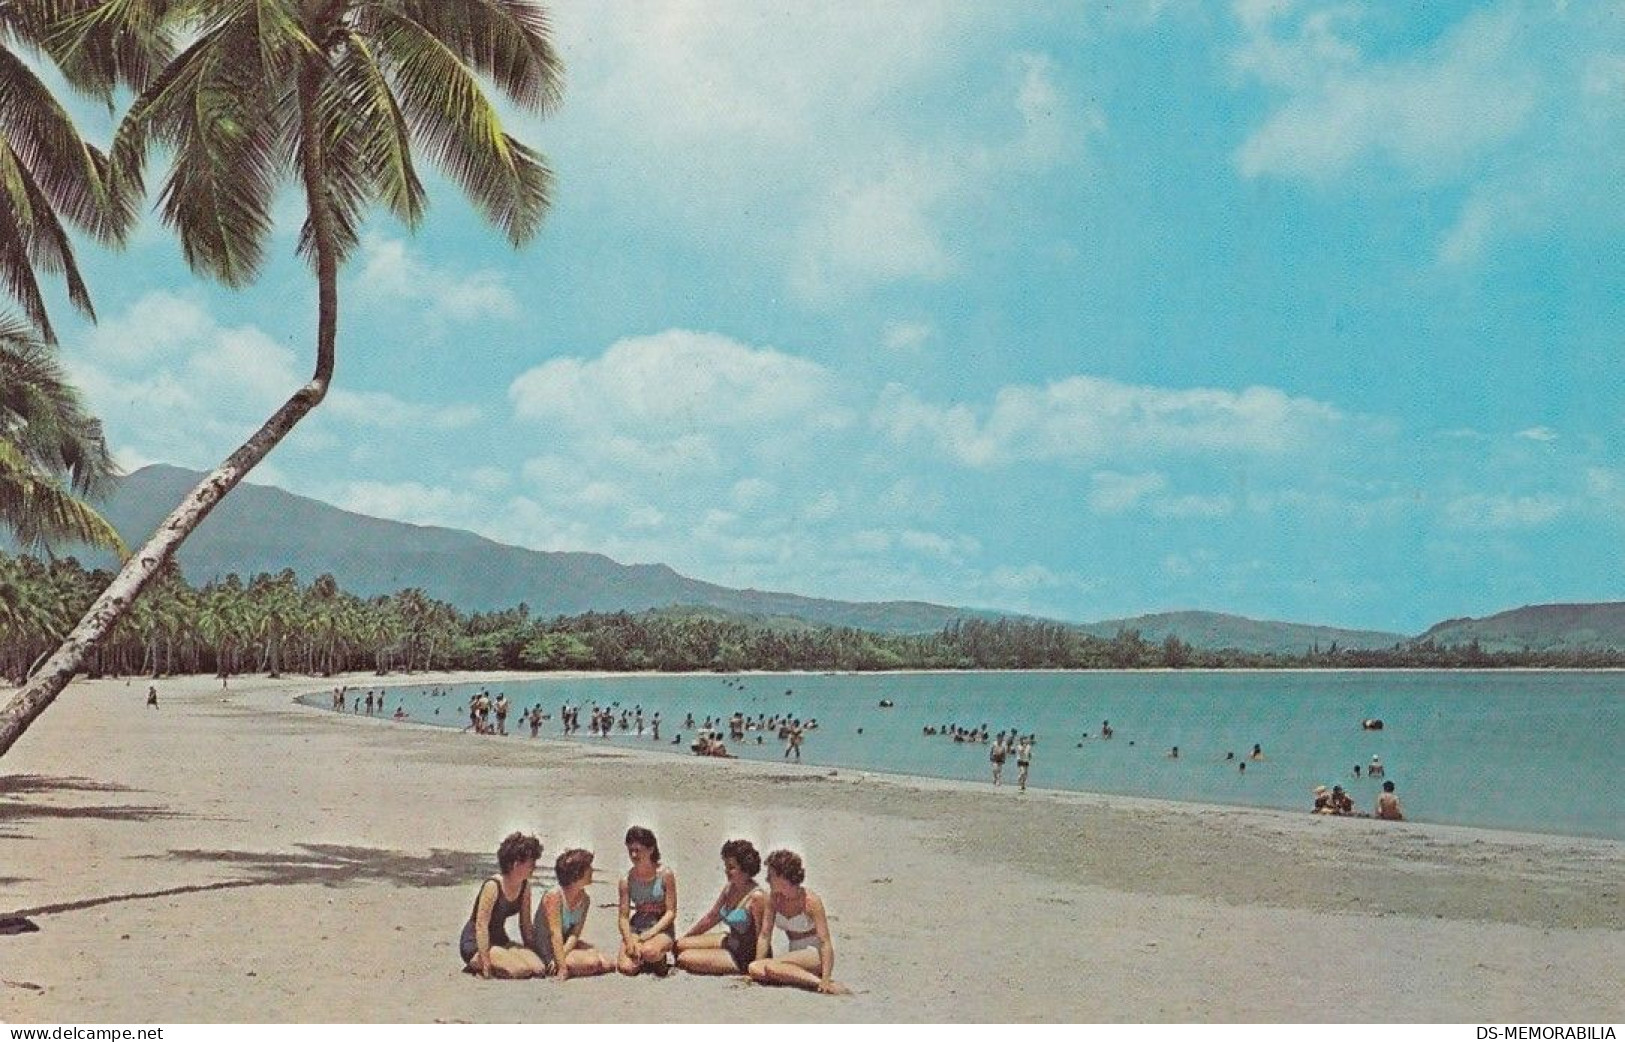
x,y
809,958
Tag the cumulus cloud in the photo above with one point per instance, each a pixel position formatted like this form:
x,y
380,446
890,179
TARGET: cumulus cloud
x,y
1427,114
389,269
1087,418
174,384
906,336
675,381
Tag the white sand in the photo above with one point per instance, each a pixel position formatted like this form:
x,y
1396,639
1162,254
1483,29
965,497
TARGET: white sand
x,y
232,856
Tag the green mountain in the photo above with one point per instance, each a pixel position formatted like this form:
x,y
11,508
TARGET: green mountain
x,y
1539,627
263,529
1206,629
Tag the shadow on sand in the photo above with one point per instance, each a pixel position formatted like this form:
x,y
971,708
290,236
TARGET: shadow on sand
x,y
17,787
320,864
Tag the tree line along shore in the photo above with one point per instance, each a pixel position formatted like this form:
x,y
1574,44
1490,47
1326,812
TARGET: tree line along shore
x,y
274,623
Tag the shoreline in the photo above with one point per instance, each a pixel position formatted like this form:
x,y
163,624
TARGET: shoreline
x,y
239,846
903,777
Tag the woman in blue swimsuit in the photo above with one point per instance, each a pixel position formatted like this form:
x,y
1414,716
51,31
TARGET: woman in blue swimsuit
x,y
648,906
740,907
485,946
562,915
810,956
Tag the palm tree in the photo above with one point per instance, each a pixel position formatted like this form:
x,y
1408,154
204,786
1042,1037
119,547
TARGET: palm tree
x,y
48,174
336,92
50,449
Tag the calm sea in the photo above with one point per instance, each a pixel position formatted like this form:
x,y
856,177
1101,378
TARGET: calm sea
x,y
1523,751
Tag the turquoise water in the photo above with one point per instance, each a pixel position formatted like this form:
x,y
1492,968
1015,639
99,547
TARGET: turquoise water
x,y
1524,751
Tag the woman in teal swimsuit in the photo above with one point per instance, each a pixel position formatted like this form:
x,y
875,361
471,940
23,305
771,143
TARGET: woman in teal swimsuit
x,y
562,915
648,906
740,907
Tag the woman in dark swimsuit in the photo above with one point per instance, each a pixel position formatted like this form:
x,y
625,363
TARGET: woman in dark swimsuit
x,y
740,907
485,946
648,906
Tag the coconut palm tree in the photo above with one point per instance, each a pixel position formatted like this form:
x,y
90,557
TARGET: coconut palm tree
x,y
335,93
49,176
52,451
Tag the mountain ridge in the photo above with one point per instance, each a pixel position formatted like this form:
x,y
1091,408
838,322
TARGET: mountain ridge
x,y
262,528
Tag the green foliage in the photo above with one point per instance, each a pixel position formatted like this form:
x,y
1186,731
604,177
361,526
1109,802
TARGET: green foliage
x,y
274,623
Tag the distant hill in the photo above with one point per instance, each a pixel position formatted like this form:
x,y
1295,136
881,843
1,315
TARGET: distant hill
x,y
1539,627
263,529
1206,629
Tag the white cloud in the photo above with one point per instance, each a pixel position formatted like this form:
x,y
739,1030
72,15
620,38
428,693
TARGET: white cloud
x,y
751,492
674,383
1428,115
1087,418
906,336
1541,434
389,269
1479,510
175,385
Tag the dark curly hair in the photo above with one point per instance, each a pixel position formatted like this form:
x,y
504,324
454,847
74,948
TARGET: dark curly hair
x,y
644,838
787,865
572,865
516,848
744,854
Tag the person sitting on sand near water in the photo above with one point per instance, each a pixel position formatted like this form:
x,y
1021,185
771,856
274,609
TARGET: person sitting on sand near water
x,y
648,906
561,917
740,907
810,957
485,946
1388,804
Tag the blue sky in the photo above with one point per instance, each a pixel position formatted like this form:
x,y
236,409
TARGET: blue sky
x,y
1297,310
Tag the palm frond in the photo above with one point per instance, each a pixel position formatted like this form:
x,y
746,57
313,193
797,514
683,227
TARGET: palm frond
x,y
40,512
42,135
452,118
42,415
213,107
508,41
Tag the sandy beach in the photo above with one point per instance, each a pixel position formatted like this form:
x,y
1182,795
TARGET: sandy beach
x,y
233,856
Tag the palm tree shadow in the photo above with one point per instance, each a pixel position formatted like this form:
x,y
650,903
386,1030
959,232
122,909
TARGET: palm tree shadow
x,y
320,864
17,787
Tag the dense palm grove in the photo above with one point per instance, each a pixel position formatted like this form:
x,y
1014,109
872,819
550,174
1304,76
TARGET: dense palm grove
x,y
277,624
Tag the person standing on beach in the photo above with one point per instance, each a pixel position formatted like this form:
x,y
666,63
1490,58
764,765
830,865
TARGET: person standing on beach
x,y
795,742
997,755
152,696
648,906
502,713
1024,760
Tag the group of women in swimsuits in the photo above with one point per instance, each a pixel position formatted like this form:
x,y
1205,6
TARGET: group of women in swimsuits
x,y
551,944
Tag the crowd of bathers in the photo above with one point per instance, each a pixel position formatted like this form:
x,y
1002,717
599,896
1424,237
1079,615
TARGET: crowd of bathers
x,y
552,938
1337,800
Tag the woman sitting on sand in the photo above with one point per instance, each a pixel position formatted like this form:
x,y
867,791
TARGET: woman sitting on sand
x,y
648,906
485,946
741,907
561,917
810,958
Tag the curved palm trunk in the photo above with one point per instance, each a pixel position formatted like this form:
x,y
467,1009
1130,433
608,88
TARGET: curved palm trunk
x,y
145,563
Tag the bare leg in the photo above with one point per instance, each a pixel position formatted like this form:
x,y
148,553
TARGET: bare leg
x,y
588,963
799,968
515,963
700,942
712,962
